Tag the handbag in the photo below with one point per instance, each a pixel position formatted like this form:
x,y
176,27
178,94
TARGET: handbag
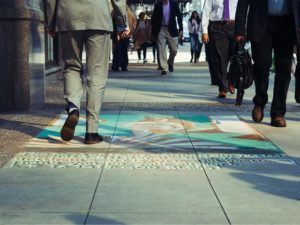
x,y
240,73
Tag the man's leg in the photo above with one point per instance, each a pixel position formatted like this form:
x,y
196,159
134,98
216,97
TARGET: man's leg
x,y
297,77
116,55
262,57
221,48
72,45
161,42
283,51
97,50
210,60
124,54
173,46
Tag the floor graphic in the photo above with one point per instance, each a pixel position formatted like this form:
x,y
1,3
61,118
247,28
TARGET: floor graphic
x,y
213,134
137,140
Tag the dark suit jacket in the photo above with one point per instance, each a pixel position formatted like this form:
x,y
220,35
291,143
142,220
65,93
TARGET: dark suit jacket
x,y
257,18
157,16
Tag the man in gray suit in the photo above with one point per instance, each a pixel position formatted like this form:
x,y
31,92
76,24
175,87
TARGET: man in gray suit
x,y
85,23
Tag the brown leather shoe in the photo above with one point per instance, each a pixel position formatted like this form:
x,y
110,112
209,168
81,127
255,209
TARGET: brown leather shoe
x,y
278,121
258,113
222,94
68,129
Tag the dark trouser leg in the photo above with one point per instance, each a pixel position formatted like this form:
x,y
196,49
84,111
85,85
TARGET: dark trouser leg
x,y
139,53
192,55
116,55
124,53
262,57
144,46
200,44
210,60
297,77
154,50
283,51
221,45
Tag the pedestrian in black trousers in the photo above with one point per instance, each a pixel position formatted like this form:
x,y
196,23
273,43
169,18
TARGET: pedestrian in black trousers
x,y
218,29
296,10
270,26
120,54
210,60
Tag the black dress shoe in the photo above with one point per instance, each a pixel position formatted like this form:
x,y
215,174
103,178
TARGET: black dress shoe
x,y
258,113
171,68
114,68
163,72
278,121
124,69
92,138
68,129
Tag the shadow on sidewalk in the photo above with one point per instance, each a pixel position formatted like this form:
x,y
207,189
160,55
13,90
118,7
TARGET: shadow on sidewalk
x,y
282,181
93,220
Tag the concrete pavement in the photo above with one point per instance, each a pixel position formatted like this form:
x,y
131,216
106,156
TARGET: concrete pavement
x,y
173,154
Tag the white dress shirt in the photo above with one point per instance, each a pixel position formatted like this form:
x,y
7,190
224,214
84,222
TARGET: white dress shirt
x,y
213,11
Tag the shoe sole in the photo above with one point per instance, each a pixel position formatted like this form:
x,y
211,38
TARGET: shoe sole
x,y
277,125
68,129
92,142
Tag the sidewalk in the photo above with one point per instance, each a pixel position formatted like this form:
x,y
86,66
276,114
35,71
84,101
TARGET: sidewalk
x,y
173,154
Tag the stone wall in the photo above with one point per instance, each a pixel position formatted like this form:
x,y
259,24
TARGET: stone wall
x,y
22,54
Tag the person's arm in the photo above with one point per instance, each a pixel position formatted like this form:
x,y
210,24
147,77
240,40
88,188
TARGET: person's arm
x,y
241,20
179,18
206,15
51,8
154,25
120,17
205,20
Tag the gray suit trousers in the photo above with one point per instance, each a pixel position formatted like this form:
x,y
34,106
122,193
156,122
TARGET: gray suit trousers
x,y
97,45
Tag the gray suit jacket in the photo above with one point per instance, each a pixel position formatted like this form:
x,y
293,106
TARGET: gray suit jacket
x,y
72,15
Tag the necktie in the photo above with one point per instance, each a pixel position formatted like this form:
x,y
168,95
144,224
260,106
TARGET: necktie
x,y
226,15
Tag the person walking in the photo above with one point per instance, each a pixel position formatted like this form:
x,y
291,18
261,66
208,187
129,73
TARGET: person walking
x,y
142,36
296,12
218,28
194,29
85,23
164,30
120,45
270,25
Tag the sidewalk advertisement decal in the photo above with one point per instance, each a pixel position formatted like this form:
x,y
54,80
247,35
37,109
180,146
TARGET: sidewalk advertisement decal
x,y
164,130
160,140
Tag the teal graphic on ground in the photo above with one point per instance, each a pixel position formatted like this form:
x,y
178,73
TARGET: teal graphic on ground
x,y
189,131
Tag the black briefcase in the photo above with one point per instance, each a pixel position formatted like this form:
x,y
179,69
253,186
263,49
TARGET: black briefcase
x,y
240,73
